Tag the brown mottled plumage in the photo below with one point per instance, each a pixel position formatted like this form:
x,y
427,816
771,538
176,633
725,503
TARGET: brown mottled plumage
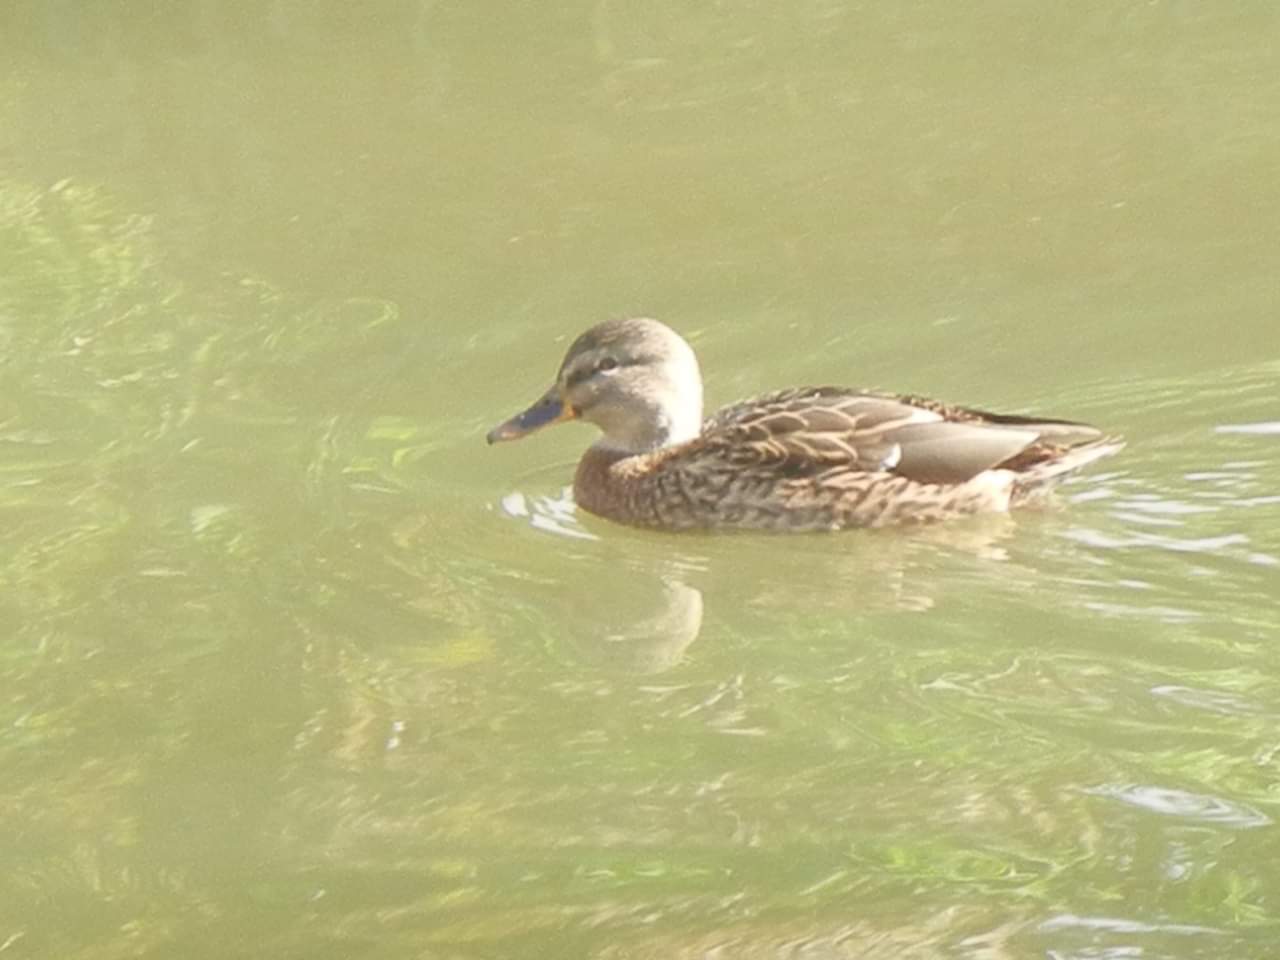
x,y
808,458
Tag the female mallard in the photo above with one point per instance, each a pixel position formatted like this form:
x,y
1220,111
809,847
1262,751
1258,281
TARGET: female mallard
x,y
808,458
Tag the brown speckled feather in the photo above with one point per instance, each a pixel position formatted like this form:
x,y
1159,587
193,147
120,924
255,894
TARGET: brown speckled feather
x,y
829,458
811,458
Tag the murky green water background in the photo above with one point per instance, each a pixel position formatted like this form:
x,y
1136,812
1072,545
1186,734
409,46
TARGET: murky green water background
x,y
295,666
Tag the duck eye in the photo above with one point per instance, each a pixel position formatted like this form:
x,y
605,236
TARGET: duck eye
x,y
606,364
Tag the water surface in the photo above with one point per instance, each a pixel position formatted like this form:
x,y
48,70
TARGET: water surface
x,y
296,666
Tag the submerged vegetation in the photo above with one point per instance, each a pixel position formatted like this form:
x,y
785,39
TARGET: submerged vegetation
x,y
276,674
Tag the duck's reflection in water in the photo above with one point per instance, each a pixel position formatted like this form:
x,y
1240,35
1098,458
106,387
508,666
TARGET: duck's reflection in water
x,y
642,628
641,605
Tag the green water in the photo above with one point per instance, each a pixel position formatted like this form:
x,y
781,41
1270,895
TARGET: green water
x,y
295,666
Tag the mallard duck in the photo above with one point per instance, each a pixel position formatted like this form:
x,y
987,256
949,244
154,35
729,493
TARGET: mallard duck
x,y
807,458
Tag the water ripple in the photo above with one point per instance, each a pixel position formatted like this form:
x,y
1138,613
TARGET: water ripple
x,y
550,514
1070,921
1267,428
1214,701
1200,807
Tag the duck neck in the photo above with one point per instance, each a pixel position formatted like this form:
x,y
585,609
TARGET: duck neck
x,y
662,425
594,487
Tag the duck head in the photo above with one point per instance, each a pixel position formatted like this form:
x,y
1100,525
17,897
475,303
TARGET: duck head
x,y
635,379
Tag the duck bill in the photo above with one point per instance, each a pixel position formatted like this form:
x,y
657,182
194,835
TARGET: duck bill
x,y
548,409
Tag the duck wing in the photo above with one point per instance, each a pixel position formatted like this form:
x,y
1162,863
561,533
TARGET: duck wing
x,y
826,431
